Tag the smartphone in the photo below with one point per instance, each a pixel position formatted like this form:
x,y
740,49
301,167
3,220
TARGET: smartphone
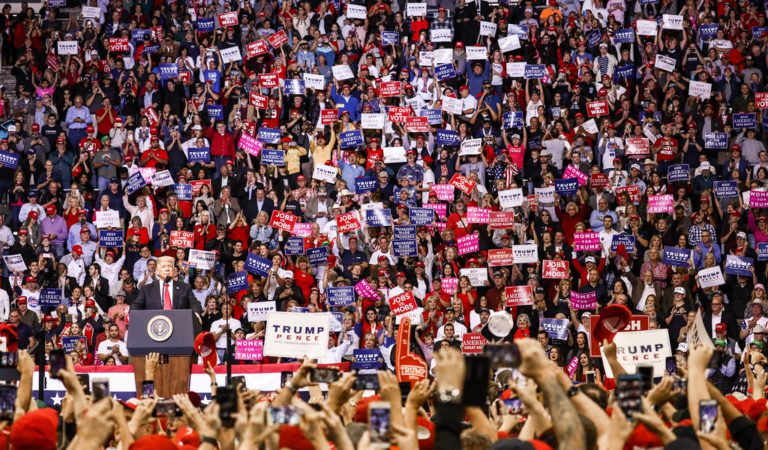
x,y
100,388
226,397
682,384
85,382
379,414
646,374
476,380
367,382
58,360
283,415
163,359
9,359
671,365
502,355
7,401
629,390
707,415
147,389
238,382
323,375
715,360
514,405
285,377
166,408
590,377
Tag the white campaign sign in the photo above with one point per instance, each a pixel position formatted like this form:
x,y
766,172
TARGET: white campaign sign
x,y
672,22
426,59
231,54
394,155
526,253
590,126
202,259
665,63
640,348
442,56
325,173
417,9
107,219
700,89
258,311
509,43
441,35
545,195
297,335
710,277
162,178
67,47
471,147
516,69
487,28
476,53
356,11
372,121
646,27
15,263
477,277
452,105
342,72
511,198
90,12
312,81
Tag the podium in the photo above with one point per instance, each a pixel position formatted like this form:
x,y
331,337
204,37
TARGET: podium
x,y
170,333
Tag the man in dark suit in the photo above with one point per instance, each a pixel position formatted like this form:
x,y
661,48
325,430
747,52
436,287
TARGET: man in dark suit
x,y
167,293
100,287
717,313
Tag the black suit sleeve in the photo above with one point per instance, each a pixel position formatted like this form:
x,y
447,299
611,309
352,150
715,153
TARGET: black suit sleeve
x,y
141,300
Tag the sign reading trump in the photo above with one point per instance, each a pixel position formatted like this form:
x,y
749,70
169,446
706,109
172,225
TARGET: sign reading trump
x,y
296,335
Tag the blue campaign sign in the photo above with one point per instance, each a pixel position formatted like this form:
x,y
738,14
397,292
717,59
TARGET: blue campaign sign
x,y
269,135
237,282
624,36
151,49
708,30
257,265
294,246
512,119
762,251
656,115
198,155
69,343
205,24
648,2
215,112
594,38
555,328
318,256
738,265
57,3
434,116
421,216
626,71
378,217
139,34
367,359
9,159
135,182
341,296
535,71
679,172
271,156
390,37
678,257
183,191
447,137
520,30
445,72
351,139
168,71
759,32
569,186
50,297
404,240
365,184
111,238
718,141
294,87
726,189
627,239
745,120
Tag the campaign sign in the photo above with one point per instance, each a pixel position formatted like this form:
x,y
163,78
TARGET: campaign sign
x,y
450,285
199,155
15,263
555,328
473,343
351,139
398,114
711,277
69,343
122,45
378,217
404,240
525,253
586,242
717,141
297,335
283,220
738,265
168,71
447,137
598,108
637,322
445,72
278,39
512,119
135,182
745,120
274,157
9,159
664,203
402,303
762,251
478,215
182,239
294,87
761,100
627,240
341,296
249,349
111,238
572,172
653,352
626,71
202,259
758,199
257,265
555,269
518,296
418,124
501,220
268,80
469,243
599,181
258,311
183,191
294,246
567,187
365,184
759,32
584,301
302,229
228,19
236,282
500,257
535,71
205,25
348,222
421,216
434,116
679,172
364,290
50,297
462,183
256,48
624,36
678,257
726,189
638,147
318,256
390,37
269,135
709,30
367,359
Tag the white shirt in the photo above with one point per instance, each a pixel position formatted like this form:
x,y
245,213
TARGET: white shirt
x,y
76,269
647,290
105,347
5,305
218,325
606,239
459,331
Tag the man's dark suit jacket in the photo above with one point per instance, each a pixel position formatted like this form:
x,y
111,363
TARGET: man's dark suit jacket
x,y
150,297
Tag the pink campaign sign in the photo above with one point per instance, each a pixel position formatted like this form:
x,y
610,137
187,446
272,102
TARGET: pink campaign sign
x,y
250,144
439,208
302,229
586,242
249,350
365,290
478,215
758,199
661,203
444,192
572,172
450,285
468,244
586,300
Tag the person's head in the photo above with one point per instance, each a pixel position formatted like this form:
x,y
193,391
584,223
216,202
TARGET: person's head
x,y
166,267
114,332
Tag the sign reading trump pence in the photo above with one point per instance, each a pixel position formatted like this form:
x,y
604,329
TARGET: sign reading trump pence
x,y
296,335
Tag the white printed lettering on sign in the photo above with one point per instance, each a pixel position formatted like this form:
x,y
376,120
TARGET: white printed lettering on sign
x,y
452,105
471,147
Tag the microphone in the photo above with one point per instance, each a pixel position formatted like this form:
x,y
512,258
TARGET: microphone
x,y
167,279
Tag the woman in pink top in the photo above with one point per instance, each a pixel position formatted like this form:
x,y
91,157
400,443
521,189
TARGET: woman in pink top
x,y
119,313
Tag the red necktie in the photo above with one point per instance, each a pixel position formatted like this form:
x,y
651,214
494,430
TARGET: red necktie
x,y
167,304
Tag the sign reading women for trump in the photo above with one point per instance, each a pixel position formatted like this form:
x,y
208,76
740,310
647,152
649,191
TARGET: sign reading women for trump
x,y
586,300
468,244
664,203
297,335
586,242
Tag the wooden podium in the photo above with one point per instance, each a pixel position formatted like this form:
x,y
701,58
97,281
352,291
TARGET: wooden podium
x,y
167,333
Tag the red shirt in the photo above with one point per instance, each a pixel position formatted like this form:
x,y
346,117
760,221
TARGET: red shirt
x,y
222,145
200,239
148,161
107,122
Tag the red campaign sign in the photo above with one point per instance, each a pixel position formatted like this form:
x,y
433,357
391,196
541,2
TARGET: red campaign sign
x,y
257,48
398,114
268,80
473,343
632,190
598,108
599,181
417,124
761,100
402,303
329,116
228,19
638,146
182,239
348,222
409,367
638,322
152,116
556,269
518,296
500,257
159,33
197,184
278,39
502,220
533,202
185,76
119,45
462,183
283,220
258,100
390,89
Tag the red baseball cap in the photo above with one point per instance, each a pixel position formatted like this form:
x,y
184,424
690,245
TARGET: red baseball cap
x,y
205,346
77,249
89,129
